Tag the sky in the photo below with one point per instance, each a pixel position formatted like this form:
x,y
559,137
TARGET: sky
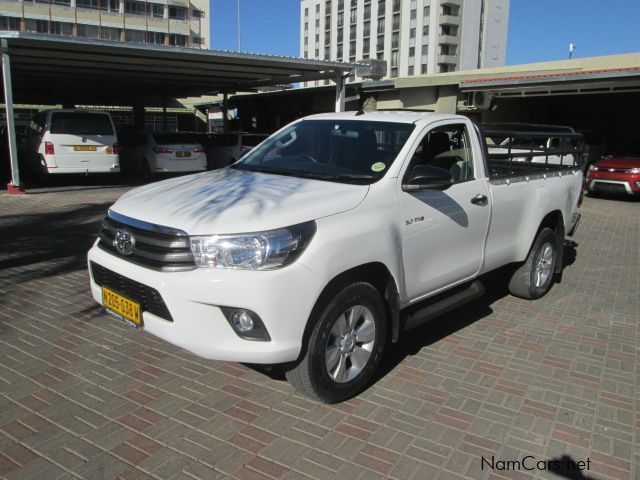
x,y
539,30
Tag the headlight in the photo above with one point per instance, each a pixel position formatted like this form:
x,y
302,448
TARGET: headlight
x,y
633,170
592,167
253,251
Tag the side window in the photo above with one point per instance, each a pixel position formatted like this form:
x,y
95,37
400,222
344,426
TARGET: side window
x,y
447,147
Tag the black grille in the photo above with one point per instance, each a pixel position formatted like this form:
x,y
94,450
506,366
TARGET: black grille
x,y
609,187
152,249
149,298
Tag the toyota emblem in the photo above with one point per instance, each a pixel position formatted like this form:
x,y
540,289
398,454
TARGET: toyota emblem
x,y
124,241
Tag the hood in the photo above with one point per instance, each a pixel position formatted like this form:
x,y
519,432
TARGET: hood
x,y
619,161
237,201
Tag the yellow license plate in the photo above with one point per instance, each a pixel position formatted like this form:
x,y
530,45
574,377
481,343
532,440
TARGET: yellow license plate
x,y
183,154
84,148
122,306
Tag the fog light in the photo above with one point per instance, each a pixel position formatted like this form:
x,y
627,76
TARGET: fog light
x,y
638,184
246,324
242,321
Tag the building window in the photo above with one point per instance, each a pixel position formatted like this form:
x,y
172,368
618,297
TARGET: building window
x,y
317,53
155,38
394,72
177,40
395,55
395,40
339,53
366,45
317,38
352,48
413,14
354,15
97,4
426,11
412,52
195,13
114,5
380,43
91,31
177,13
381,25
367,12
317,23
447,49
366,29
108,33
425,31
396,21
340,35
327,38
449,30
157,11
61,28
381,7
412,33
327,53
130,6
317,8
411,70
306,13
136,36
425,49
423,68
340,5
396,5
9,23
340,19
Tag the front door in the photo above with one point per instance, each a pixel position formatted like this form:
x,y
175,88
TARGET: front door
x,y
445,231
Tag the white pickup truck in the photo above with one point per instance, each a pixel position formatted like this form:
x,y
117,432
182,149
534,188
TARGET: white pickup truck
x,y
328,240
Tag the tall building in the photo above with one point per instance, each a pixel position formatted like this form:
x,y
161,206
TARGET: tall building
x,y
182,23
414,36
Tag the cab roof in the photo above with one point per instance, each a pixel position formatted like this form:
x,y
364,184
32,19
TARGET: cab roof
x,y
396,116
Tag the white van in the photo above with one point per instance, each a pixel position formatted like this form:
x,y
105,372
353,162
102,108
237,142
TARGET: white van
x,y
70,141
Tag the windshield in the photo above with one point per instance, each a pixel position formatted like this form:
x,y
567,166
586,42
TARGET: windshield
x,y
355,151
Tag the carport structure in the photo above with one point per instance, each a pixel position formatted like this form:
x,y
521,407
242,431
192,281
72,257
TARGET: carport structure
x,y
591,98
49,69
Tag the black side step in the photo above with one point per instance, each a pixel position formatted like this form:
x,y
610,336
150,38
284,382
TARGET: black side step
x,y
444,303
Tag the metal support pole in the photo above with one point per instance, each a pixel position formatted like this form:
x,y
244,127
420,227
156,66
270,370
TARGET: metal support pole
x,y
340,92
11,127
225,113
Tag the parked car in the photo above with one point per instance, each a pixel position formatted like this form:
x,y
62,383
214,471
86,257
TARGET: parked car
x,y
225,148
151,153
594,148
615,174
329,239
70,141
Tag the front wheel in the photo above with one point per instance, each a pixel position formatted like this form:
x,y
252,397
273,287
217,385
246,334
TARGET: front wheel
x,y
345,346
534,277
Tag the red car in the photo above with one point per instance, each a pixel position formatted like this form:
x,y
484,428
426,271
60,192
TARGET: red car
x,y
615,174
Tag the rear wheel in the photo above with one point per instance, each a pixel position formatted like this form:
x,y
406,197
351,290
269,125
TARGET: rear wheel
x,y
345,347
534,277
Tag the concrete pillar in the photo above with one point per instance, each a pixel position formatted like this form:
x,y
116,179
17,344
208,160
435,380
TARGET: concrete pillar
x,y
340,82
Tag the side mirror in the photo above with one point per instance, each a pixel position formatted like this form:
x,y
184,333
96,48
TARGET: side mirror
x,y
423,177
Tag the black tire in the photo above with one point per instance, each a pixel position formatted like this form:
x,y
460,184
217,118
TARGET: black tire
x,y
311,376
528,281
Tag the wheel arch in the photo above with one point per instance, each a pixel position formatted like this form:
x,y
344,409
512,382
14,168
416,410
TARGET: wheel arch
x,y
375,273
554,220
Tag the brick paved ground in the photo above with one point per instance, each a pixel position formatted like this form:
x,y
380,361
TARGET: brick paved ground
x,y
84,396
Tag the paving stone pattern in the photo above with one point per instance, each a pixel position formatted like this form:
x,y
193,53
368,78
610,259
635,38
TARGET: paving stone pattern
x,y
84,396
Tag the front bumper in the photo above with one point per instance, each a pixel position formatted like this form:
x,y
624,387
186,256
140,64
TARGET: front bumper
x,y
282,298
614,184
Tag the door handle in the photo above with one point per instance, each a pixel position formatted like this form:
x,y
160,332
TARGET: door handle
x,y
480,199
